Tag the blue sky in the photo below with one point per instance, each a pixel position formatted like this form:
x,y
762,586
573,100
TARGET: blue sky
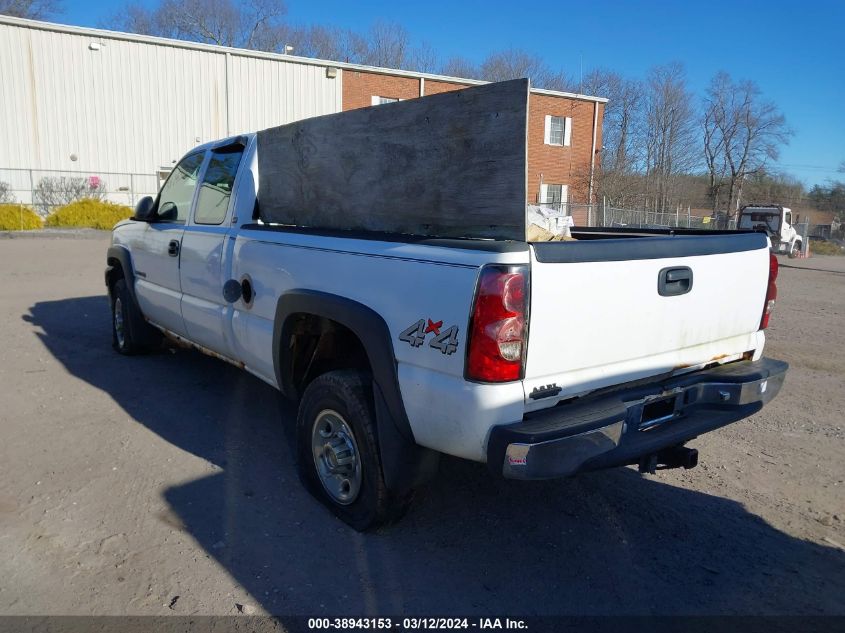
x,y
794,51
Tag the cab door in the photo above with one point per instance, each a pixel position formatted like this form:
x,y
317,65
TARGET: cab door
x,y
203,244
787,231
156,251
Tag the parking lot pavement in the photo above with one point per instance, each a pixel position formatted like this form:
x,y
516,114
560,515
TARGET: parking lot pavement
x,y
166,484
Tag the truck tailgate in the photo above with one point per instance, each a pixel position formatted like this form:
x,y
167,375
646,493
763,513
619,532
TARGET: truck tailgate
x,y
609,311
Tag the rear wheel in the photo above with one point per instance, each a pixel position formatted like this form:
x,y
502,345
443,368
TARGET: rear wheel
x,y
338,456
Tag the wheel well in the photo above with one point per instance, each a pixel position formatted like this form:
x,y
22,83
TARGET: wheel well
x,y
318,345
114,273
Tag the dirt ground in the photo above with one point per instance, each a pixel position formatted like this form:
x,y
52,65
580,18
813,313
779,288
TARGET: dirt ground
x,y
165,485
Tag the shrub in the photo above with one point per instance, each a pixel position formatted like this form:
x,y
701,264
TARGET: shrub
x,y
52,192
89,213
825,248
15,217
6,195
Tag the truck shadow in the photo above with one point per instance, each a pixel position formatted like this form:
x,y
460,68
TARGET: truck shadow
x,y
612,541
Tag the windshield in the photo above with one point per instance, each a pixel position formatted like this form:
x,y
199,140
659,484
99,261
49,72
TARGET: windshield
x,y
760,220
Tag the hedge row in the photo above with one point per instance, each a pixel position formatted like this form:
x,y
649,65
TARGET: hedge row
x,y
16,217
87,213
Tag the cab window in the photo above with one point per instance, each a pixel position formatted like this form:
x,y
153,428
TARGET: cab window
x,y
174,201
216,188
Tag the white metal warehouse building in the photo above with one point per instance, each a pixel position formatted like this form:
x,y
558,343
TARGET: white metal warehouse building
x,y
121,107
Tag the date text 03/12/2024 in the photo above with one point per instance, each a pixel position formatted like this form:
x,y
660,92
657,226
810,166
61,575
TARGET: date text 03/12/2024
x,y
412,624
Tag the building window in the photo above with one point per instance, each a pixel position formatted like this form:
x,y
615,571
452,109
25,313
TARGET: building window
x,y
376,100
558,130
553,194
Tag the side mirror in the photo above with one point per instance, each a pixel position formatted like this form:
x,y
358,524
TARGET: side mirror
x,y
144,209
167,212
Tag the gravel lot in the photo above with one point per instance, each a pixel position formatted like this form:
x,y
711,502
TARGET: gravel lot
x,y
165,485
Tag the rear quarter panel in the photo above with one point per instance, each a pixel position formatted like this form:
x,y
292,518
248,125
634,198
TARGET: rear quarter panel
x,y
404,283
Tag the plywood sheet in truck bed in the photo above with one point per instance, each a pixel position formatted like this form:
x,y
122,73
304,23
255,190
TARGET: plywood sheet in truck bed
x,y
447,165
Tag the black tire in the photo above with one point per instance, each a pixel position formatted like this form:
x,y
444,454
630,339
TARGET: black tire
x,y
795,250
130,333
347,393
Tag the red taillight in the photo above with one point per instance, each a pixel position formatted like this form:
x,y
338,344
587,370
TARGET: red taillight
x,y
496,342
771,292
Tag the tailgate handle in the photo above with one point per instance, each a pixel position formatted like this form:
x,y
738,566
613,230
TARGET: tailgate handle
x,y
674,281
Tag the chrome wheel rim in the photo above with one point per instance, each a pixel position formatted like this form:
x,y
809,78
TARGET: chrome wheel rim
x,y
336,456
118,323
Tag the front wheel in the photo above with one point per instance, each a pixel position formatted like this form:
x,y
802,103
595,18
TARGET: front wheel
x,y
337,450
130,334
795,251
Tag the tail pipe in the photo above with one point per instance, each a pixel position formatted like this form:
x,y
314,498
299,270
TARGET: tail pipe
x,y
673,457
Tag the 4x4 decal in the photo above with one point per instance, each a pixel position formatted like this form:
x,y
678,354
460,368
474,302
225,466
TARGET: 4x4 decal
x,y
445,341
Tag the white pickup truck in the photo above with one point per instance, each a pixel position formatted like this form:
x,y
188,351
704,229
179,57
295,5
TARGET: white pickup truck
x,y
541,359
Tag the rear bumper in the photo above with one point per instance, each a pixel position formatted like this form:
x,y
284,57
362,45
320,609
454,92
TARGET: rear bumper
x,y
621,427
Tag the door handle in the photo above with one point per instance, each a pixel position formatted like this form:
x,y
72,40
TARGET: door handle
x,y
672,282
173,248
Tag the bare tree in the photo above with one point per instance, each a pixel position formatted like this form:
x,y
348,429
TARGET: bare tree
x,y
258,25
7,195
321,42
785,189
31,9
515,63
460,67
555,80
714,157
669,140
423,58
622,119
135,18
386,44
53,192
252,24
327,43
621,113
742,134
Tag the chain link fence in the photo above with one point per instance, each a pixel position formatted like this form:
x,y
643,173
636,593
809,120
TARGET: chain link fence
x,y
46,189
803,229
600,215
643,219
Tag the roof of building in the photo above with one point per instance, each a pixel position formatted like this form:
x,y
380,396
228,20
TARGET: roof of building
x,y
150,39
